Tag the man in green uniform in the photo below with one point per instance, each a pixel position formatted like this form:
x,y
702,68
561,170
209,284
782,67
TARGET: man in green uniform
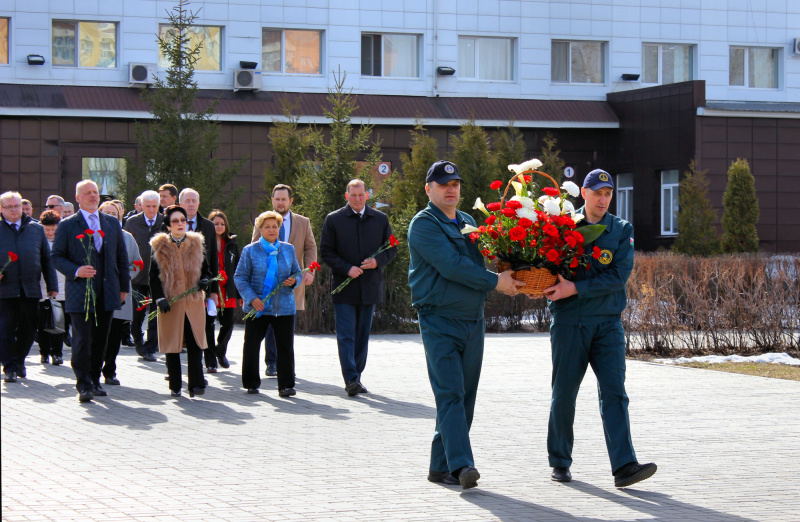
x,y
587,329
449,285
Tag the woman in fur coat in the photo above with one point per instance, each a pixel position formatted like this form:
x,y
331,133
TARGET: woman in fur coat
x,y
179,265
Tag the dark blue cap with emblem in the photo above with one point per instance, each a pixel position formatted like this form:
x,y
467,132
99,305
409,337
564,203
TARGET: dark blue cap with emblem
x,y
442,172
597,179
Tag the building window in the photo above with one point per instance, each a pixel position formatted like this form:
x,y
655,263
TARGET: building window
x,y
207,37
4,41
84,44
755,67
108,173
486,58
669,201
291,51
667,63
624,195
578,62
394,55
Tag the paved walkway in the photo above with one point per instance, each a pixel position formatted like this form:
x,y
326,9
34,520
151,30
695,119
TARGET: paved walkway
x,y
726,445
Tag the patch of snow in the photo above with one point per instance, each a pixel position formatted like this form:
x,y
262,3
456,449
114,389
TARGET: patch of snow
x,y
772,358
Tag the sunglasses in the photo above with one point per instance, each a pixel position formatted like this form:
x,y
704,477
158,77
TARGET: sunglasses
x,y
176,221
51,207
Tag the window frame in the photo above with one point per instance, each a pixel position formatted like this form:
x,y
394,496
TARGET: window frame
x,y
417,58
673,188
624,192
203,71
660,64
282,30
76,24
512,59
603,62
8,41
746,66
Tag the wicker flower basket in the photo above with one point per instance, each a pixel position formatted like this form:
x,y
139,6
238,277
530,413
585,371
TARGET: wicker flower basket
x,y
535,279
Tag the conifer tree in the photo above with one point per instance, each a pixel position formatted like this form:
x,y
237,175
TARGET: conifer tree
x,y
407,188
552,163
177,146
509,149
740,210
476,164
696,216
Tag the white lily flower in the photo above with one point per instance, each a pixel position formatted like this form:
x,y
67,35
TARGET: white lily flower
x,y
469,229
479,206
567,207
517,187
552,207
571,188
531,164
577,217
542,199
527,213
524,201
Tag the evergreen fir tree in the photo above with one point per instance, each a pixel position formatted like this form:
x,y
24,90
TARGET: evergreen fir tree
x,y
476,165
509,149
552,163
740,210
696,216
178,145
407,188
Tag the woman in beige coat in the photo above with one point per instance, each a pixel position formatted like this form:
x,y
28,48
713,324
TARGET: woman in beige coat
x,y
179,265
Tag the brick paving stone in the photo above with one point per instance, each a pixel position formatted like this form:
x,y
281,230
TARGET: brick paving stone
x,y
726,444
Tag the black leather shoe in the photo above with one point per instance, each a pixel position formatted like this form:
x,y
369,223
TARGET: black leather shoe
x,y
223,361
113,381
196,391
271,370
10,377
561,475
443,477
468,477
57,360
127,342
352,388
98,391
252,391
211,370
45,359
149,357
85,396
68,341
288,392
361,388
175,393
632,473
22,372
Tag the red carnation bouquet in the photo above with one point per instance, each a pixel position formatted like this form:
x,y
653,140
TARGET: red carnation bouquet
x,y
87,241
313,267
543,234
390,243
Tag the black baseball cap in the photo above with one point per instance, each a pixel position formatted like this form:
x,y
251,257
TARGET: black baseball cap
x,y
442,172
597,179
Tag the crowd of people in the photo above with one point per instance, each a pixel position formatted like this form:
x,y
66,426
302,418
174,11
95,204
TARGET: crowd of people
x,y
171,274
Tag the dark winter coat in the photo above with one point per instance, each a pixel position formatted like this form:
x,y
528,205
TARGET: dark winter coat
x,y
33,251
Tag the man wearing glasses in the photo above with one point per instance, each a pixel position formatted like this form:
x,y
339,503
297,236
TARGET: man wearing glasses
x,y
56,204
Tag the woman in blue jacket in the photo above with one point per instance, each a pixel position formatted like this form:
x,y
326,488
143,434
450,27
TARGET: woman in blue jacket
x,y
265,265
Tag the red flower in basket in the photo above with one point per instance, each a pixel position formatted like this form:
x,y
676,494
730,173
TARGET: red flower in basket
x,y
533,234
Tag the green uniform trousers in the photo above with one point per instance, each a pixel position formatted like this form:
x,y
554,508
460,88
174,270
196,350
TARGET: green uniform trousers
x,y
574,347
454,353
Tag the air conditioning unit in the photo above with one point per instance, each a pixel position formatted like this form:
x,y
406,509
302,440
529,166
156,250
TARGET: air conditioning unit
x,y
141,74
246,80
797,46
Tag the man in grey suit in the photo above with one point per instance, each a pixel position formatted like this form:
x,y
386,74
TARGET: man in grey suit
x,y
89,250
143,226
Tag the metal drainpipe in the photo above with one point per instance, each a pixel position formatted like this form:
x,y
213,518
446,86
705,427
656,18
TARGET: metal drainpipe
x,y
435,47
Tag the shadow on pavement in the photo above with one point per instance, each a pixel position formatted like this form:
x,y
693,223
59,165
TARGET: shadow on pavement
x,y
508,508
109,411
411,410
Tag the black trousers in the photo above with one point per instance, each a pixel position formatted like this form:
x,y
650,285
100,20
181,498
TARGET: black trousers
x,y
18,322
89,345
194,360
112,349
51,344
225,331
151,344
254,332
210,354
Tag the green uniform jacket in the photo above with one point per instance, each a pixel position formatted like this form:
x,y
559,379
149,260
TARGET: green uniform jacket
x,y
601,290
446,273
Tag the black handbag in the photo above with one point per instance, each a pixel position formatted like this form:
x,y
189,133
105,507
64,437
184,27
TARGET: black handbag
x,y
52,316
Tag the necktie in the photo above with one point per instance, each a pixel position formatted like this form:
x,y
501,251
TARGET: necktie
x,y
150,223
95,224
283,232
14,227
191,226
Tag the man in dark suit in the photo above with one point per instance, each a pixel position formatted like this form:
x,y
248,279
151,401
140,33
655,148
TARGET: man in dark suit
x,y
89,250
190,201
19,283
143,226
349,236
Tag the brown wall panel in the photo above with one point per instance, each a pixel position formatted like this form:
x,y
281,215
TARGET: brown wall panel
x,y
70,130
29,129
